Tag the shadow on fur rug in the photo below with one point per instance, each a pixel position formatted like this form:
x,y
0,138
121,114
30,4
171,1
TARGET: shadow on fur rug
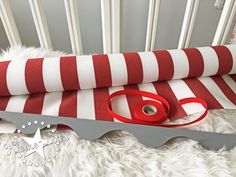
x,y
118,153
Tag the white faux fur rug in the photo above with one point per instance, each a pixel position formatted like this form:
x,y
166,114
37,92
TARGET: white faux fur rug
x,y
119,154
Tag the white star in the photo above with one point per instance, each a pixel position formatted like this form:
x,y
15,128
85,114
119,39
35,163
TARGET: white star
x,y
36,144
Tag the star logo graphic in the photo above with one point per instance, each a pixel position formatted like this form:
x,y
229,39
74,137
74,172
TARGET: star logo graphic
x,y
36,144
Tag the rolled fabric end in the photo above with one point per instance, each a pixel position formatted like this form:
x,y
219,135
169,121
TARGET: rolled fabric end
x,y
39,75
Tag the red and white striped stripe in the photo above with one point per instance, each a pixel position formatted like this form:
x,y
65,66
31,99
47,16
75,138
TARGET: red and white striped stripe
x,y
52,74
52,103
210,61
68,106
120,105
230,82
181,64
118,69
220,95
85,71
95,71
16,77
181,90
85,104
33,71
232,50
149,66
16,103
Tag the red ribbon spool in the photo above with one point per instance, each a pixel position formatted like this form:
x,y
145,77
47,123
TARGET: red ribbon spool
x,y
150,111
153,112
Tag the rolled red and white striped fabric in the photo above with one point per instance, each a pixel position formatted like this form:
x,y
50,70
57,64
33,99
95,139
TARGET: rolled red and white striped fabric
x,y
78,86
27,76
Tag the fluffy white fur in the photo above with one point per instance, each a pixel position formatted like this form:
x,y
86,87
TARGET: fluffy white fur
x,y
119,154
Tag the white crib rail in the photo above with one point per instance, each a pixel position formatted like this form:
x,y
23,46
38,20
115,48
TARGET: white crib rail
x,y
9,23
188,23
115,25
106,25
225,22
73,24
40,23
153,14
110,12
111,24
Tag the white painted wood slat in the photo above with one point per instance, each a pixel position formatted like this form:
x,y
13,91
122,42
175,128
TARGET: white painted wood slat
x,y
154,26
153,14
106,26
191,23
149,24
188,23
115,12
229,24
73,25
40,23
9,23
225,22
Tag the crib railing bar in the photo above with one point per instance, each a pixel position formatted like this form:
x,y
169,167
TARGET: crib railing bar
x,y
223,22
185,25
153,14
191,24
149,24
40,23
154,26
229,24
115,13
188,23
9,23
106,26
73,25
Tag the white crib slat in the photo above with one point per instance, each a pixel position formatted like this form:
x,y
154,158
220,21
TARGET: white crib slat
x,y
115,10
186,20
73,25
229,24
106,25
9,23
40,23
188,23
224,22
154,26
191,23
149,24
153,14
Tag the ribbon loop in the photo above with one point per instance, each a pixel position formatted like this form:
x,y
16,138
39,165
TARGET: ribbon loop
x,y
153,112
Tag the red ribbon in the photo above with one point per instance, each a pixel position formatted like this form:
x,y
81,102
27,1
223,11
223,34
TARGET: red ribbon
x,y
158,106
